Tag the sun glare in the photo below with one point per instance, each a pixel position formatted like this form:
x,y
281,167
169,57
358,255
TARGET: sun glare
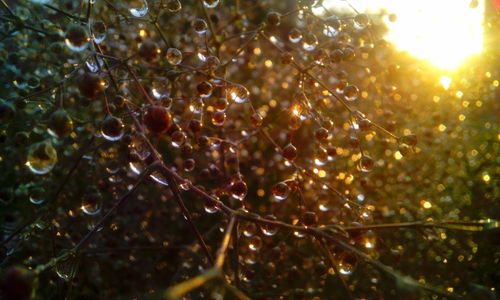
x,y
443,32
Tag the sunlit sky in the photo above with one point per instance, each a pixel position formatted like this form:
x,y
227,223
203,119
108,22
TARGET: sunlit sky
x,y
443,32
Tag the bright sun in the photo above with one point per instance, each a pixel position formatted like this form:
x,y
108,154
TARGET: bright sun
x,y
443,32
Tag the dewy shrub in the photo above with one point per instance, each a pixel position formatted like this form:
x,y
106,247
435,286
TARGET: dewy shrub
x,y
209,149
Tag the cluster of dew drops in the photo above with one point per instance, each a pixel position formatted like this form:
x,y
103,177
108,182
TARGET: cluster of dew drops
x,y
222,130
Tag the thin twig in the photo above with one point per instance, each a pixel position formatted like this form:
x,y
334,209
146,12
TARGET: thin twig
x,y
333,264
177,194
33,218
210,26
215,272
66,254
117,205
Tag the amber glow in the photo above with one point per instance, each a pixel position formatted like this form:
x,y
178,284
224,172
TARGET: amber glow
x,y
444,32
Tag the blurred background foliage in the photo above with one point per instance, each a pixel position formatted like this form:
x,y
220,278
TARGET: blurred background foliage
x,y
67,68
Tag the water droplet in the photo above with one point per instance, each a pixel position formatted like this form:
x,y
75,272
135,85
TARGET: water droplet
x,y
140,8
309,42
174,56
249,229
409,139
189,164
321,156
98,30
299,234
160,89
309,218
211,206
42,157
36,195
210,3
136,167
289,152
139,148
332,26
269,229
76,38
218,118
174,6
60,124
295,36
255,243
112,128
347,264
91,202
366,164
238,93
185,185
157,119
204,89
159,178
66,269
370,240
178,138
361,21
92,65
351,92
238,189
280,191
200,26
212,62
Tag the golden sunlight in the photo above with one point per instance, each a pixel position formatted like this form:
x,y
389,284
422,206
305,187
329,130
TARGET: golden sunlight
x,y
443,32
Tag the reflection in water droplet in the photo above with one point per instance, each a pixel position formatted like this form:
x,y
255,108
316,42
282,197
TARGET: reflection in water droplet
x,y
200,26
66,269
91,203
185,185
174,6
210,3
238,189
160,89
140,8
92,66
41,158
237,93
36,195
351,92
309,42
366,164
211,206
112,128
60,124
139,148
347,264
158,177
136,167
76,38
280,191
174,56
98,31
269,229
295,35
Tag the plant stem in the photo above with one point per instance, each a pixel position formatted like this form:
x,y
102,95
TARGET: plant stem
x,y
177,195
181,289
211,27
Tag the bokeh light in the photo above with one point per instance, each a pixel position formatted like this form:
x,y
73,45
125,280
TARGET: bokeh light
x,y
443,32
